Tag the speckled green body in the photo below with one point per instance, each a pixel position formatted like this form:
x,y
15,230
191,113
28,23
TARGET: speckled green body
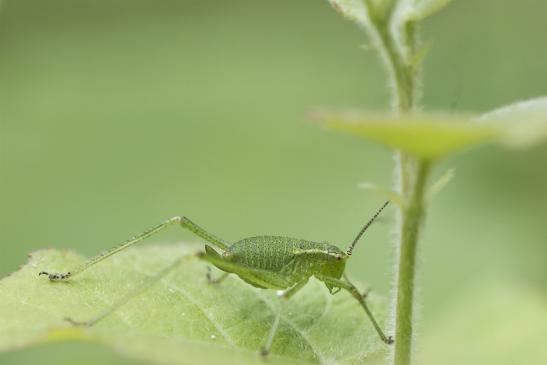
x,y
275,262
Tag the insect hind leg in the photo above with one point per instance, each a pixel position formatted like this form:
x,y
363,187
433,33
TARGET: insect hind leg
x,y
183,222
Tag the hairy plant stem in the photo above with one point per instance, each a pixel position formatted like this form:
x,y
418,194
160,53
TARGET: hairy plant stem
x,y
413,177
411,180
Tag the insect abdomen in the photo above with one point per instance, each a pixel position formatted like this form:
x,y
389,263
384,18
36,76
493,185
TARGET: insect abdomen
x,y
270,253
281,254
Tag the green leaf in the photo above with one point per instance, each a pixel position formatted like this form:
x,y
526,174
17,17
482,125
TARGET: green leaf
x,y
417,58
522,124
433,136
418,10
180,319
352,9
363,12
427,136
440,184
393,196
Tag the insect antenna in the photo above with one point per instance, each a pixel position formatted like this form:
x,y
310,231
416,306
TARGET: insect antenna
x,y
349,251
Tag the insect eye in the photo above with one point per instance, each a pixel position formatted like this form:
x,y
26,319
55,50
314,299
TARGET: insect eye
x,y
338,257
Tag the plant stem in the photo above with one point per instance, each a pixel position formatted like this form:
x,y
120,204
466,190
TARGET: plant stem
x,y
412,176
412,186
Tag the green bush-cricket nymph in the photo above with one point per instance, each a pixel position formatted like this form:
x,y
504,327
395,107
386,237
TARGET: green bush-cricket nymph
x,y
266,262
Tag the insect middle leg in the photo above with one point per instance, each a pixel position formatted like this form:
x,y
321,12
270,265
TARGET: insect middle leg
x,y
214,281
283,296
346,285
149,282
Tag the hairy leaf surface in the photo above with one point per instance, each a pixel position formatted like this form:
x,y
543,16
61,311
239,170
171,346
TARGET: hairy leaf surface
x,y
180,319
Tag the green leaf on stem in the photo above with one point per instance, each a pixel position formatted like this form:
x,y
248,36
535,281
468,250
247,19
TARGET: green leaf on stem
x,y
433,136
440,184
418,10
352,9
391,195
522,124
181,319
427,136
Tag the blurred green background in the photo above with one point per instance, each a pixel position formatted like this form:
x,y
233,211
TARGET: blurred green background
x,y
115,115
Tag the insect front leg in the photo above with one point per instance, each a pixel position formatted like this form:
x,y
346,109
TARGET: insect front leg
x,y
283,295
346,285
365,293
149,282
184,223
